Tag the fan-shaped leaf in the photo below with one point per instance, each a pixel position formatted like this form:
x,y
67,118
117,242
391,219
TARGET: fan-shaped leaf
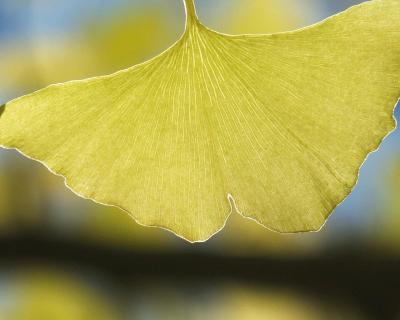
x,y
280,123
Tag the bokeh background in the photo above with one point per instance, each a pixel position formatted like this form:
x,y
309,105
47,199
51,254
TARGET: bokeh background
x,y
62,257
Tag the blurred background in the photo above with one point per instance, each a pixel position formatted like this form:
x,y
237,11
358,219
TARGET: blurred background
x,y
62,257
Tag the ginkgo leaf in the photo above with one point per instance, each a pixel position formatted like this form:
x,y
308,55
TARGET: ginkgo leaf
x,y
277,125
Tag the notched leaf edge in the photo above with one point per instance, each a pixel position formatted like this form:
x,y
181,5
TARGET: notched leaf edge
x,y
69,186
230,198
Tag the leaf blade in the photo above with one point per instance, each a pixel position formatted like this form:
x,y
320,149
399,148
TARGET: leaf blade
x,y
216,118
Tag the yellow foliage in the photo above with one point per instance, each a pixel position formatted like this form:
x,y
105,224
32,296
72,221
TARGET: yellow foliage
x,y
39,295
260,16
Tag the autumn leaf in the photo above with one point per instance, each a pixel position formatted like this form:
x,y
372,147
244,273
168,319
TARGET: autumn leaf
x,y
277,125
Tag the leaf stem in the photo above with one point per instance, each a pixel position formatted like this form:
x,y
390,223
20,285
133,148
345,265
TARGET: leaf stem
x,y
191,15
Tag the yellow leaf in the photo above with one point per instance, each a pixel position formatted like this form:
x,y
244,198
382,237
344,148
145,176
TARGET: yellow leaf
x,y
278,124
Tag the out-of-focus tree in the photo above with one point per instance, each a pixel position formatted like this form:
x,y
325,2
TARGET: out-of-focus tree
x,y
234,302
126,38
259,16
48,295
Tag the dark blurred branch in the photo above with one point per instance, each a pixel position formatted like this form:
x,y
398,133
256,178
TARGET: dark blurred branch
x,y
370,281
